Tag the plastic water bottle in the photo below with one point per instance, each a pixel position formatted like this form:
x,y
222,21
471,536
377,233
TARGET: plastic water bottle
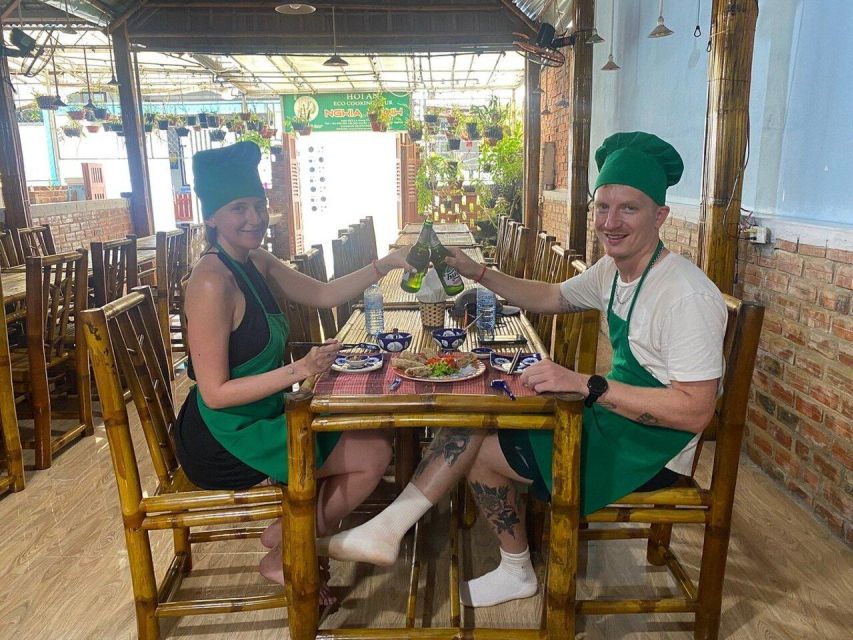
x,y
374,310
486,303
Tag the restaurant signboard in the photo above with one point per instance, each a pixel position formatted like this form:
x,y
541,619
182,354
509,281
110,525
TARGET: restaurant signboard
x,y
343,111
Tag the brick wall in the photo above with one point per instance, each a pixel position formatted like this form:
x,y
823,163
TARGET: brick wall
x,y
47,195
279,195
77,224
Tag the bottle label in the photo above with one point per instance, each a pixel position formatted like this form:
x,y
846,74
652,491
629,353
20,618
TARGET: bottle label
x,y
451,276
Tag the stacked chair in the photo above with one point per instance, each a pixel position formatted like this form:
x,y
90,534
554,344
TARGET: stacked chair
x,y
126,345
35,241
353,249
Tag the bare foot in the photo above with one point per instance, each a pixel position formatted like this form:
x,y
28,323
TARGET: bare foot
x,y
272,535
271,568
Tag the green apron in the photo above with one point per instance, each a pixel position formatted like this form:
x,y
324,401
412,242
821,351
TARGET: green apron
x,y
256,432
617,454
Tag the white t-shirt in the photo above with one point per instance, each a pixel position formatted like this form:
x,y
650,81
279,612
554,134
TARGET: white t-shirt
x,y
677,328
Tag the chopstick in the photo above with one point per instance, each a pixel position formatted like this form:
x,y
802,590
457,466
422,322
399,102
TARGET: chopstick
x,y
305,344
514,362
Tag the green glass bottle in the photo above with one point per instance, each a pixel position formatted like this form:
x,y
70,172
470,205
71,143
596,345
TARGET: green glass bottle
x,y
419,258
449,276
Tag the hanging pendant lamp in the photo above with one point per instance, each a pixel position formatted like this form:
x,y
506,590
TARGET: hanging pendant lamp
x,y
661,30
563,102
71,31
335,60
610,65
295,9
58,101
88,105
112,81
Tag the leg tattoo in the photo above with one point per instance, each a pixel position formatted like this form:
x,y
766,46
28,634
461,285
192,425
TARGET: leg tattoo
x,y
494,501
448,445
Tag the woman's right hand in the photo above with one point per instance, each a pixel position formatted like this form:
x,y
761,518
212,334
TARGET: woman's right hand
x,y
319,359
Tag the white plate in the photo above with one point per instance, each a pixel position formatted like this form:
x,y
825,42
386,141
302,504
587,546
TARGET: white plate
x,y
471,371
373,363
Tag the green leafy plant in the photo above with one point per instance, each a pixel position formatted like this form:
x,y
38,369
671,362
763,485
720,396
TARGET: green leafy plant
x,y
258,139
503,162
416,129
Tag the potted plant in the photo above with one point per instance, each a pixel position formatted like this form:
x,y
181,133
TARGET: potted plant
x,y
416,129
192,121
258,139
202,120
431,115
72,129
162,122
472,127
301,121
216,135
75,114
46,102
454,117
268,132
101,113
492,118
212,120
377,112
93,127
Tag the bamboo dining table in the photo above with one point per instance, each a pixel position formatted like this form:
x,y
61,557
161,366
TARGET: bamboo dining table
x,y
448,238
364,400
440,227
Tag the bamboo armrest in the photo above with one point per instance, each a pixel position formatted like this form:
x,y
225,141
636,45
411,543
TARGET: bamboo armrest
x,y
204,499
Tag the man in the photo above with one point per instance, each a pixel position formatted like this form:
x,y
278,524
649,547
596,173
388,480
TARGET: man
x,y
641,423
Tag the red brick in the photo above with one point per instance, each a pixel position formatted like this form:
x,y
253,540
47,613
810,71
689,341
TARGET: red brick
x,y
843,454
786,245
777,281
798,491
843,328
809,409
814,434
844,276
780,435
802,451
763,444
802,290
781,348
845,354
789,263
815,319
828,469
772,322
771,365
782,393
811,478
840,379
788,307
787,462
827,347
811,250
840,255
797,380
795,332
809,364
840,500
825,395
817,270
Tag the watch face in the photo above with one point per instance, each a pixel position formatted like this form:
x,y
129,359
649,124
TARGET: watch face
x,y
597,384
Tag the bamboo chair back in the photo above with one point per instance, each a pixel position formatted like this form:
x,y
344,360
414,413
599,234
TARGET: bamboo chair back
x,y
10,439
125,344
500,239
194,240
505,254
369,235
539,266
557,269
691,503
114,269
57,291
344,261
313,264
171,251
35,241
576,334
9,256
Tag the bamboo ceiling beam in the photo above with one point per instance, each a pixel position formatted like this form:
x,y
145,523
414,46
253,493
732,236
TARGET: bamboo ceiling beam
x,y
9,10
579,91
729,74
130,12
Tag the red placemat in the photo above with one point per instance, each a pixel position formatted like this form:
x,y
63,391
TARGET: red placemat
x,y
333,383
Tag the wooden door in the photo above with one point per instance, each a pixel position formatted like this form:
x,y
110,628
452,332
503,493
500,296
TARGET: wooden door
x,y
93,181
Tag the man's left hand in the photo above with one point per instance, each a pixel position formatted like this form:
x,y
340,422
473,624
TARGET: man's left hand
x,y
549,376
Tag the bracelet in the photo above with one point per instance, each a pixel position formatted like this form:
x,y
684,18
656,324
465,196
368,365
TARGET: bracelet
x,y
480,277
377,269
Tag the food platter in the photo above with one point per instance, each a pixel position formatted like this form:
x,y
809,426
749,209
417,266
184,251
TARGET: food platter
x,y
474,370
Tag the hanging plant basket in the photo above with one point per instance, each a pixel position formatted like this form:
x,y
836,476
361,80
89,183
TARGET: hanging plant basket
x,y
89,115
163,125
182,132
100,113
216,135
268,132
472,130
416,135
303,131
453,144
71,132
250,125
192,121
76,114
431,118
245,116
147,127
212,121
378,126
202,120
48,103
93,128
494,134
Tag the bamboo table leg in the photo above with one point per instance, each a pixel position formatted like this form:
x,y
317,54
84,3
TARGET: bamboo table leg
x,y
303,587
8,416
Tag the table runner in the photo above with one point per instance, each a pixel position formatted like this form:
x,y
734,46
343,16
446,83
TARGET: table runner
x,y
378,382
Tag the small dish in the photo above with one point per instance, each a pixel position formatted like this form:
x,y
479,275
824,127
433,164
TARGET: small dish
x,y
502,361
448,338
358,361
394,341
370,363
483,353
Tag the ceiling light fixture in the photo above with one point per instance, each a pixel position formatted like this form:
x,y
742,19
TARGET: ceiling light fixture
x,y
57,101
71,31
610,65
90,104
295,9
335,60
112,81
661,30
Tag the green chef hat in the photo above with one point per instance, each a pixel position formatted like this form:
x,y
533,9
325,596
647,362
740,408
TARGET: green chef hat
x,y
226,174
640,160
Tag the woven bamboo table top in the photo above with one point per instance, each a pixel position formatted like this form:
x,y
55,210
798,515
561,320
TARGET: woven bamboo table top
x,y
464,239
441,227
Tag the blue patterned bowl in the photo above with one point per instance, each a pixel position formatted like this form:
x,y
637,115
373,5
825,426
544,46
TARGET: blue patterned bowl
x,y
449,339
394,341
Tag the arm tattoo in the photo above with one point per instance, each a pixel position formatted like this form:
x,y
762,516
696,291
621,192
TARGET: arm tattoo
x,y
606,404
568,307
647,418
494,501
448,445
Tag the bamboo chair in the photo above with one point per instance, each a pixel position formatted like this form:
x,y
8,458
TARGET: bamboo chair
x,y
35,241
122,338
114,269
313,264
539,266
171,266
10,439
56,293
575,341
194,240
9,256
505,254
344,261
369,233
515,262
500,231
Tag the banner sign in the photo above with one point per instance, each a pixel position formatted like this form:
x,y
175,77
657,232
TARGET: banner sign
x,y
343,111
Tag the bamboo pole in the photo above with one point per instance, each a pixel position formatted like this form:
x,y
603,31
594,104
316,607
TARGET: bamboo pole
x,y
141,213
726,135
532,143
14,178
580,117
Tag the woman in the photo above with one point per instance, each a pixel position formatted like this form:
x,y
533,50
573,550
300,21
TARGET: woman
x,y
231,431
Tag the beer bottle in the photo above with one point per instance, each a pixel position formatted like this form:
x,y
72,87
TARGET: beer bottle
x,y
449,276
419,258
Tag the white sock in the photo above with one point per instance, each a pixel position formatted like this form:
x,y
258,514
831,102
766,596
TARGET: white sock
x,y
377,541
512,580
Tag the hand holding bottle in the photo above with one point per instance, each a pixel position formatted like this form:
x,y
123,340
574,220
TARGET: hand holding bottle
x,y
462,262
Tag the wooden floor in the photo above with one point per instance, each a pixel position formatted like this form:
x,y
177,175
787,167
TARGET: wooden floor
x,y
64,573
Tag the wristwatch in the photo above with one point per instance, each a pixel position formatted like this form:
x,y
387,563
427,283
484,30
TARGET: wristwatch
x,y
597,386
